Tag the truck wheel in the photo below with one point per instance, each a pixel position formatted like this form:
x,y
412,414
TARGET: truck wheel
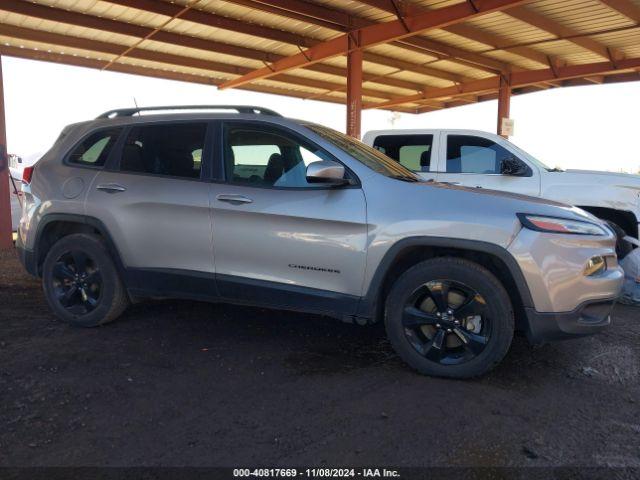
x,y
81,283
623,248
449,317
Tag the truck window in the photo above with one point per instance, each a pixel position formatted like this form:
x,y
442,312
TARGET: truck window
x,y
412,151
470,154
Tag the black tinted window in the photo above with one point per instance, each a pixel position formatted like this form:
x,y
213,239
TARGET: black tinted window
x,y
267,156
95,149
469,154
412,151
168,149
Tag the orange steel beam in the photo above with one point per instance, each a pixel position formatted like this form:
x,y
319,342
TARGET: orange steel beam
x,y
354,92
516,79
178,14
542,22
463,30
612,78
377,34
93,63
104,24
211,19
169,59
6,240
625,7
504,103
344,22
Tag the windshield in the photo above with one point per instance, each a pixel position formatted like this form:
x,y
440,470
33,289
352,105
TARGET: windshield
x,y
364,154
532,159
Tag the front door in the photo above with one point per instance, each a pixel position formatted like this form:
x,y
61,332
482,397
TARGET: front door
x,y
277,238
475,161
155,205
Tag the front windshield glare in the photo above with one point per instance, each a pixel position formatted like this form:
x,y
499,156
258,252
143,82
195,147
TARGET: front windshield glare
x,y
369,157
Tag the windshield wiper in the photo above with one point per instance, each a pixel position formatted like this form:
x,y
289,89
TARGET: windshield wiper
x,y
555,169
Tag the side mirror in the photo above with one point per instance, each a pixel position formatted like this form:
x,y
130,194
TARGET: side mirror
x,y
514,167
327,172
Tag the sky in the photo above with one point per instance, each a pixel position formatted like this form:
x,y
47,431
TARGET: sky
x,y
592,127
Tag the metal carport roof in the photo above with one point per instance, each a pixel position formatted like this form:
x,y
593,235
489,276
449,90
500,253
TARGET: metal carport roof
x,y
410,56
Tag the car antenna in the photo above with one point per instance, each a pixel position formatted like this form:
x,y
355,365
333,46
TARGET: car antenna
x,y
136,104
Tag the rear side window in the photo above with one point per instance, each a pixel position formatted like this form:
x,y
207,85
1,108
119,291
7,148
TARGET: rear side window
x,y
173,150
412,151
94,150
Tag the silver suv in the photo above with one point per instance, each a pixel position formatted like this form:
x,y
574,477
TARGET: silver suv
x,y
237,204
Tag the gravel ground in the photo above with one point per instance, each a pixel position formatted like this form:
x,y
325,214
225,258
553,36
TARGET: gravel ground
x,y
196,384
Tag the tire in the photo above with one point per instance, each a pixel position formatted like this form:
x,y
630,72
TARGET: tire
x,y
623,248
484,322
97,299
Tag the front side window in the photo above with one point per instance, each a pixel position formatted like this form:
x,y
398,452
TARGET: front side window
x,y
470,154
412,151
94,150
166,149
265,156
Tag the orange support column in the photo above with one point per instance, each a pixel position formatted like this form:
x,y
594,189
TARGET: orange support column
x,y
354,90
6,240
504,103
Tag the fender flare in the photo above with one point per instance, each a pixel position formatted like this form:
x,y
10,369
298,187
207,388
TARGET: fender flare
x,y
369,303
82,220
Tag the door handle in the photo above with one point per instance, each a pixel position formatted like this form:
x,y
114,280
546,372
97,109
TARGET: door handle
x,y
233,199
111,187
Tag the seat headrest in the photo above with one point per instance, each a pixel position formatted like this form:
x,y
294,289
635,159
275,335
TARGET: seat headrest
x,y
180,163
425,158
275,168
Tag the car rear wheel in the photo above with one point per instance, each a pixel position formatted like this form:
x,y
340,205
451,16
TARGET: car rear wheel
x,y
81,283
449,317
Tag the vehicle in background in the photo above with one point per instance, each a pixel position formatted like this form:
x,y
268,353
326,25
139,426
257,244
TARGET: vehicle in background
x,y
15,189
253,208
15,195
484,160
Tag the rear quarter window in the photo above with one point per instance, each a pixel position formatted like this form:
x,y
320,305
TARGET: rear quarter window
x,y
95,148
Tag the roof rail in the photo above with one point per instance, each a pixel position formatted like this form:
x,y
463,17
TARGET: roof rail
x,y
129,112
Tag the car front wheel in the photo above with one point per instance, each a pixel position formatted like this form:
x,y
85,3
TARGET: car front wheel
x,y
449,317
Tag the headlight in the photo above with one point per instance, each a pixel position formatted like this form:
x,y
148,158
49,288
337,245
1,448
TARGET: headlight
x,y
560,225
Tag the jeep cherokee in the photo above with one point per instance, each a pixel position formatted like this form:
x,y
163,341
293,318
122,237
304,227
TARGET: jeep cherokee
x,y
237,204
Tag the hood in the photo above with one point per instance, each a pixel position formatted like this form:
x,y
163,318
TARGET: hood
x,y
501,200
588,177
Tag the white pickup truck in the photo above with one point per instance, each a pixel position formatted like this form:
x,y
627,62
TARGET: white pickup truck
x,y
485,160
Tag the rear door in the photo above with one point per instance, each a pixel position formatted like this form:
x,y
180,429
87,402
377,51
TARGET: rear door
x,y
475,161
277,238
414,151
154,201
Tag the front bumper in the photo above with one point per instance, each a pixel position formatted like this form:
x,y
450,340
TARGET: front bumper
x,y
587,319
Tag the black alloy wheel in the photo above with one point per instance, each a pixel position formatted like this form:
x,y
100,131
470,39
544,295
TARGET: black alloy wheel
x,y
447,322
81,282
77,282
449,317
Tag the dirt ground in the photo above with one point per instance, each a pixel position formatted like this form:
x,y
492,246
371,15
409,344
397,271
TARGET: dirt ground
x,y
187,383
